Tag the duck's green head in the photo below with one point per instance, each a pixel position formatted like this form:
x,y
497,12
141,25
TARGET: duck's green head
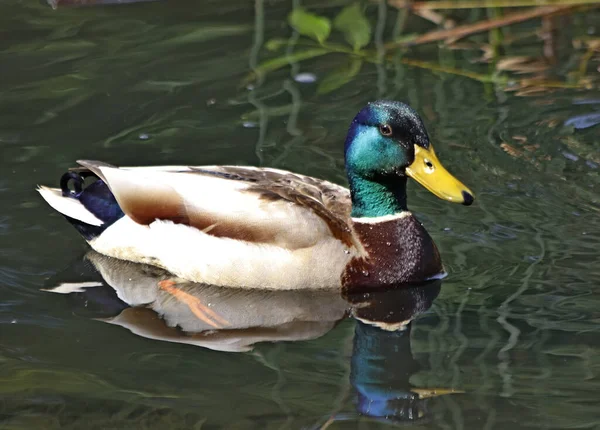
x,y
387,142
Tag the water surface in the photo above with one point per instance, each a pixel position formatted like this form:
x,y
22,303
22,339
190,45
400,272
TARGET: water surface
x,y
515,326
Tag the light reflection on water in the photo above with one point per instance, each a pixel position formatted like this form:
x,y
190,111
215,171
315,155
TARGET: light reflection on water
x,y
515,326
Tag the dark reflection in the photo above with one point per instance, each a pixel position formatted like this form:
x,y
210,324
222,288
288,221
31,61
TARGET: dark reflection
x,y
152,303
382,361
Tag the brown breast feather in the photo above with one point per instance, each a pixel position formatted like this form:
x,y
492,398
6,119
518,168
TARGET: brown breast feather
x,y
399,252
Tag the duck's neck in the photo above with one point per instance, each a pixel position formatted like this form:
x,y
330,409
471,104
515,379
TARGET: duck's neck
x,y
375,199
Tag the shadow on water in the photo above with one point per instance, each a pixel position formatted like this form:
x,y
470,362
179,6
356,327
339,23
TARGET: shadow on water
x,y
152,304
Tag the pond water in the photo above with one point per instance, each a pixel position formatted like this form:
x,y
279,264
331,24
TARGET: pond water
x,y
511,341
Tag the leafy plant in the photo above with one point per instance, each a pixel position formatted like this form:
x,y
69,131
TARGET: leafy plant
x,y
310,25
356,28
340,77
351,22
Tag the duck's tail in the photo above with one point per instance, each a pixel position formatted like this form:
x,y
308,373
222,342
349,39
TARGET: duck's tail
x,y
90,209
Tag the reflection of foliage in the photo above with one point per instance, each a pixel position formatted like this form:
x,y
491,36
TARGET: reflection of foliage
x,y
307,24
350,21
523,74
355,26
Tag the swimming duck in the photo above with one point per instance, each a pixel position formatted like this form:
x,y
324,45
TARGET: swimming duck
x,y
250,227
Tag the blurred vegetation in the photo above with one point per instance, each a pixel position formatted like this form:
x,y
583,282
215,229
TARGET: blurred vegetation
x,y
486,30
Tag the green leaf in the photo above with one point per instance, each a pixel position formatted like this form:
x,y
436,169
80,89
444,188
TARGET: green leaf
x,y
279,62
205,34
282,61
356,28
275,44
311,25
340,77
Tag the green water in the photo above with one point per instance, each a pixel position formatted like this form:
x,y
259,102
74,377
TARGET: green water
x,y
516,324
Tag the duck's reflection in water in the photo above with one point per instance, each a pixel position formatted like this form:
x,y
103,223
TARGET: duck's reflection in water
x,y
382,361
151,303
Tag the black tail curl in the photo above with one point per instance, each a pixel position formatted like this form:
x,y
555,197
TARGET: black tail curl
x,y
96,197
72,182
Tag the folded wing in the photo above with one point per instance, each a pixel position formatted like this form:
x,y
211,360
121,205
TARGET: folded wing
x,y
245,203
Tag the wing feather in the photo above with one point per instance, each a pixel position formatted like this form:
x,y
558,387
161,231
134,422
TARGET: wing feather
x,y
245,203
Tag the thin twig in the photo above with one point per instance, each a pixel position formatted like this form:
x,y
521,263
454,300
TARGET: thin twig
x,y
435,17
548,36
473,4
452,71
468,29
494,79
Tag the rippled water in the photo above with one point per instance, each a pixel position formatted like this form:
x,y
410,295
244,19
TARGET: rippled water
x,y
511,341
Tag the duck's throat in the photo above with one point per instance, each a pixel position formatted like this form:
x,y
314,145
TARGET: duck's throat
x,y
375,199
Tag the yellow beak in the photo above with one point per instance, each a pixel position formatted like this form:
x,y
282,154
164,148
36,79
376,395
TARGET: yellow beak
x,y
429,172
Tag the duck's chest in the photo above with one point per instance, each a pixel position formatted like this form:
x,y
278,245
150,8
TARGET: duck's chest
x,y
398,250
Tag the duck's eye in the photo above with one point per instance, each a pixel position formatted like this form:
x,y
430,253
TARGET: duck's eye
x,y
385,130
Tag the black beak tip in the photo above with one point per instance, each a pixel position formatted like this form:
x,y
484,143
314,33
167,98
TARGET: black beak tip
x,y
468,198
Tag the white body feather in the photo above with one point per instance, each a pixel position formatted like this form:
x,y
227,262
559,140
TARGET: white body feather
x,y
301,254
197,256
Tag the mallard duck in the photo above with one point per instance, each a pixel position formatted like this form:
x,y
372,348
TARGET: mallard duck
x,y
250,227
